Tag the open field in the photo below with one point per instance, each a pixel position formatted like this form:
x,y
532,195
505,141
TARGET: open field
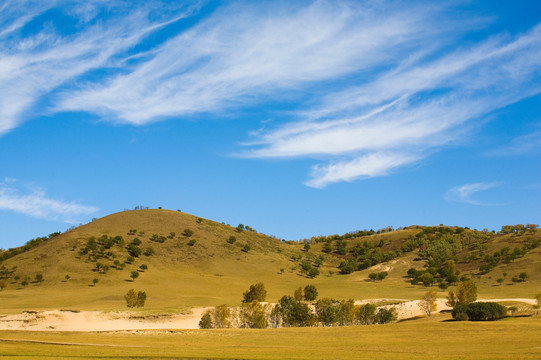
x,y
514,338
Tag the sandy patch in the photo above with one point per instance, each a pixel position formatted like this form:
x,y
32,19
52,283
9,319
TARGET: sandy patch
x,y
98,321
85,321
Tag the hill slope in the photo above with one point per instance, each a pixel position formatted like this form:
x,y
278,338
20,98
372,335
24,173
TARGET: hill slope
x,y
197,262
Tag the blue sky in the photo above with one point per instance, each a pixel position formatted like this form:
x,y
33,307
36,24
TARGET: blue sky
x,y
296,118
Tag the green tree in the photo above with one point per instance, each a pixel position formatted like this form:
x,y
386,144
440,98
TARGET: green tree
x,y
299,294
232,239
134,275
385,316
310,293
428,302
255,292
346,312
427,279
67,277
295,313
95,281
366,314
187,232
135,299
306,247
466,293
252,315
327,311
206,321
221,316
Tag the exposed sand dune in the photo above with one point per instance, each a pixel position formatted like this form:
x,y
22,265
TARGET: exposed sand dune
x,y
67,320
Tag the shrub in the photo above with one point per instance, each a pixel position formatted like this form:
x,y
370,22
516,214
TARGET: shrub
x,y
134,250
231,239
378,276
461,317
481,311
187,232
246,248
192,242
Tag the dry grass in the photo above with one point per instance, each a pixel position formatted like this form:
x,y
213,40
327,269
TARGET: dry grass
x,y
213,272
516,338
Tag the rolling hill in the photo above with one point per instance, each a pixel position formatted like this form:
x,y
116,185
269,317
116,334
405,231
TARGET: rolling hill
x,y
183,261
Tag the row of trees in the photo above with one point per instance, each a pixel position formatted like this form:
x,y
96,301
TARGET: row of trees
x,y
294,311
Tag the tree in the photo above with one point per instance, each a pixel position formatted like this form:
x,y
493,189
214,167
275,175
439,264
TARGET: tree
x,y
256,292
221,316
310,293
427,279
366,314
232,239
385,316
187,232
538,305
143,267
327,311
428,302
299,294
67,277
95,281
346,312
466,293
295,313
275,317
306,247
252,315
206,321
135,299
134,275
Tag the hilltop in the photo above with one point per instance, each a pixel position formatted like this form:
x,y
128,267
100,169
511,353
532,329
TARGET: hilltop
x,y
184,261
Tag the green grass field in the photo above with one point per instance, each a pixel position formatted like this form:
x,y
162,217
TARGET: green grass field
x,y
513,338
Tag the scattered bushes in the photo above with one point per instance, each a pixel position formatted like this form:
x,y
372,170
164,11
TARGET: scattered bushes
x,y
378,276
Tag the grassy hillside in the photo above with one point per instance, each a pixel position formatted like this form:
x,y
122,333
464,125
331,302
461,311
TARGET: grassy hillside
x,y
196,262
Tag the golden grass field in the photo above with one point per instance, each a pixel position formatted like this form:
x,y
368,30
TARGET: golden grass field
x,y
513,338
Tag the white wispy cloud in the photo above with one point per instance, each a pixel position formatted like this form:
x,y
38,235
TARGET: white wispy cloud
x,y
378,85
245,55
465,192
408,110
37,204
529,144
33,65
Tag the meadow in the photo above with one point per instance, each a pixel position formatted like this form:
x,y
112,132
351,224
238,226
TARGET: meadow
x,y
434,338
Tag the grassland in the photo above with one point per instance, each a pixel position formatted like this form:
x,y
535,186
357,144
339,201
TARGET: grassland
x,y
514,338
213,272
